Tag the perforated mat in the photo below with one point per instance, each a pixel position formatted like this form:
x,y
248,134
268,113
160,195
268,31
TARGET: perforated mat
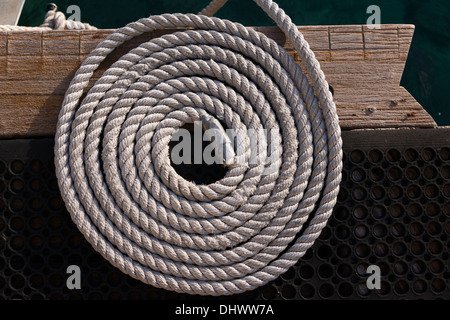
x,y
393,211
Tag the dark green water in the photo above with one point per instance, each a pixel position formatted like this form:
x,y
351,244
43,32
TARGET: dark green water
x,y
427,70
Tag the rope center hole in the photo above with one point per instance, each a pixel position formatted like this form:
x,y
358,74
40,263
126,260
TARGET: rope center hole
x,y
192,156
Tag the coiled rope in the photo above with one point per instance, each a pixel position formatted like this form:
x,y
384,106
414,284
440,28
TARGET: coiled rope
x,y
112,154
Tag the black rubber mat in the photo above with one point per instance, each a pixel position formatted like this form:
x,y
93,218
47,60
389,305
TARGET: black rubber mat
x,y
393,211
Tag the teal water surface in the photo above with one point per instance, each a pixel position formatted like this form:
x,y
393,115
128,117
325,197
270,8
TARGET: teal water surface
x,y
427,70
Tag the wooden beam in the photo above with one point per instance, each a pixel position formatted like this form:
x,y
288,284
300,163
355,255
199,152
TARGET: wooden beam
x,y
363,66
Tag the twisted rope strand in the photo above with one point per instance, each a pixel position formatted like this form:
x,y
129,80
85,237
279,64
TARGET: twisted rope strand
x,y
113,165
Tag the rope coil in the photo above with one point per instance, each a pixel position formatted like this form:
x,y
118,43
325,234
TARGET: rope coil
x,y
113,166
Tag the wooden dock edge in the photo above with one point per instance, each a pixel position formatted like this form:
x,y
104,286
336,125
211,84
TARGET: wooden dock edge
x,y
364,67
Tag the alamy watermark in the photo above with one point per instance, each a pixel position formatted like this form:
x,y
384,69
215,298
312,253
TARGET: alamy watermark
x,y
75,12
74,280
230,147
374,20
374,280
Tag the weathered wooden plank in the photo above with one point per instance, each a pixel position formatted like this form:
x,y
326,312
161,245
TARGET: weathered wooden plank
x,y
24,66
2,65
40,69
385,40
22,69
370,73
363,66
3,44
64,42
31,121
346,38
317,36
350,57
24,43
374,109
404,40
381,45
32,87
90,38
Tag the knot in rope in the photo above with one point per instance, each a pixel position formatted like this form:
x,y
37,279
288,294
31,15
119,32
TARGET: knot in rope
x,y
56,20
113,162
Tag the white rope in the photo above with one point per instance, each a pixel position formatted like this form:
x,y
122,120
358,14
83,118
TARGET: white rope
x,y
113,166
54,20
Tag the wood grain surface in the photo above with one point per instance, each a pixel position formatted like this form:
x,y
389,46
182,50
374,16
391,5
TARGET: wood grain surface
x,y
363,66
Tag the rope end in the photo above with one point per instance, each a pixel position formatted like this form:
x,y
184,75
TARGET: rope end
x,y
52,7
